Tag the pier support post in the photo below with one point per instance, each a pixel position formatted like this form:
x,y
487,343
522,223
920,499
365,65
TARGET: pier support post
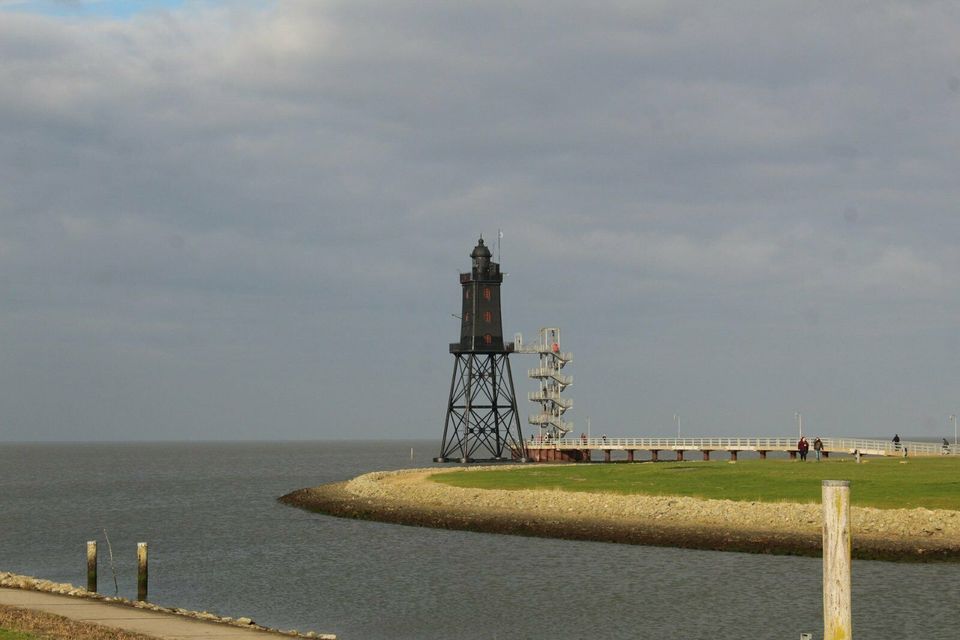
x,y
763,455
630,455
606,455
92,566
837,621
733,456
655,455
706,455
142,571
679,455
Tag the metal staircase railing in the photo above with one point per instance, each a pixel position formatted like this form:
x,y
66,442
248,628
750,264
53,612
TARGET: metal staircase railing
x,y
553,374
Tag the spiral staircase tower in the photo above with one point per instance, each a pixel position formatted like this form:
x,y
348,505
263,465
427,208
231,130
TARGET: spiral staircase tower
x,y
551,381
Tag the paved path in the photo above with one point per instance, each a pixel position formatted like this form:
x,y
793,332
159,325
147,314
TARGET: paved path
x,y
152,623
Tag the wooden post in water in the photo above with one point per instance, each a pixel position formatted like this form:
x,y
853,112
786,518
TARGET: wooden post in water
x,y
142,571
837,624
92,566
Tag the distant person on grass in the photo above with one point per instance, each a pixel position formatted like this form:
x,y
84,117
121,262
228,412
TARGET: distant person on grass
x,y
803,447
818,447
896,441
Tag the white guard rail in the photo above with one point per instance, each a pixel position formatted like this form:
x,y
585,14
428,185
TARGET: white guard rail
x,y
840,445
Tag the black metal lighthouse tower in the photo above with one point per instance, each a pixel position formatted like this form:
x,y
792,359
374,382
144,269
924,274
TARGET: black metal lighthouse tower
x,y
482,421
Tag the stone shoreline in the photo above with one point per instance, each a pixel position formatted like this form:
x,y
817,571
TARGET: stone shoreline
x,y
408,497
15,581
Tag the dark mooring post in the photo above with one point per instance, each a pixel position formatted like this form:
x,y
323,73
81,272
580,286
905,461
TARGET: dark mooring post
x,y
92,566
142,571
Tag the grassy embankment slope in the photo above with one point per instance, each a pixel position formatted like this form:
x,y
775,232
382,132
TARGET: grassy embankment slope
x,y
885,483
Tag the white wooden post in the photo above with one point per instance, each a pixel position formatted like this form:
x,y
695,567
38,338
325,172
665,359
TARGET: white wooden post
x,y
837,624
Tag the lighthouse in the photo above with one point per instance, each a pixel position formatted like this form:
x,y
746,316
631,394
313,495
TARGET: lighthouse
x,y
481,419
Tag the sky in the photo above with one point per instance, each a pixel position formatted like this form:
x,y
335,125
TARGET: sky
x,y
89,8
246,220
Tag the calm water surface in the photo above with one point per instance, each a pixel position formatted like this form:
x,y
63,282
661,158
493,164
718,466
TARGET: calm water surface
x,y
219,541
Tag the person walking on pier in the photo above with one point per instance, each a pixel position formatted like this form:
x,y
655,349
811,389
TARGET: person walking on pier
x,y
818,447
896,441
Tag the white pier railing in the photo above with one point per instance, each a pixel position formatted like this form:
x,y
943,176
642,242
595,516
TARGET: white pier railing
x,y
830,445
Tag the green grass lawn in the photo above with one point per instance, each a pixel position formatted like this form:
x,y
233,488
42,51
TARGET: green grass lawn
x,y
886,483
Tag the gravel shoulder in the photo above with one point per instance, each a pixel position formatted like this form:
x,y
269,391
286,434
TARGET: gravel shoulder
x,y
409,497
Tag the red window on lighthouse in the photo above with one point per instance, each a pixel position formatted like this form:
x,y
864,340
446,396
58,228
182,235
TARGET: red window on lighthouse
x,y
486,293
488,339
487,316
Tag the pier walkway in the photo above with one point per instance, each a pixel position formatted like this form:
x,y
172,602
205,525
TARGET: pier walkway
x,y
156,624
577,449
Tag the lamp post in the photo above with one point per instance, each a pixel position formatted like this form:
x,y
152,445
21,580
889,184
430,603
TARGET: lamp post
x,y
954,418
676,420
799,423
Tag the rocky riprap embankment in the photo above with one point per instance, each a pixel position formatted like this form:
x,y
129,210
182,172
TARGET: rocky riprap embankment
x,y
12,580
409,497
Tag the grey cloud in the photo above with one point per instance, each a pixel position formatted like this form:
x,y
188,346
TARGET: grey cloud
x,y
272,203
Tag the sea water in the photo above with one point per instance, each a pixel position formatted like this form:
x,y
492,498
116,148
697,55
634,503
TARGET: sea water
x,y
219,541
